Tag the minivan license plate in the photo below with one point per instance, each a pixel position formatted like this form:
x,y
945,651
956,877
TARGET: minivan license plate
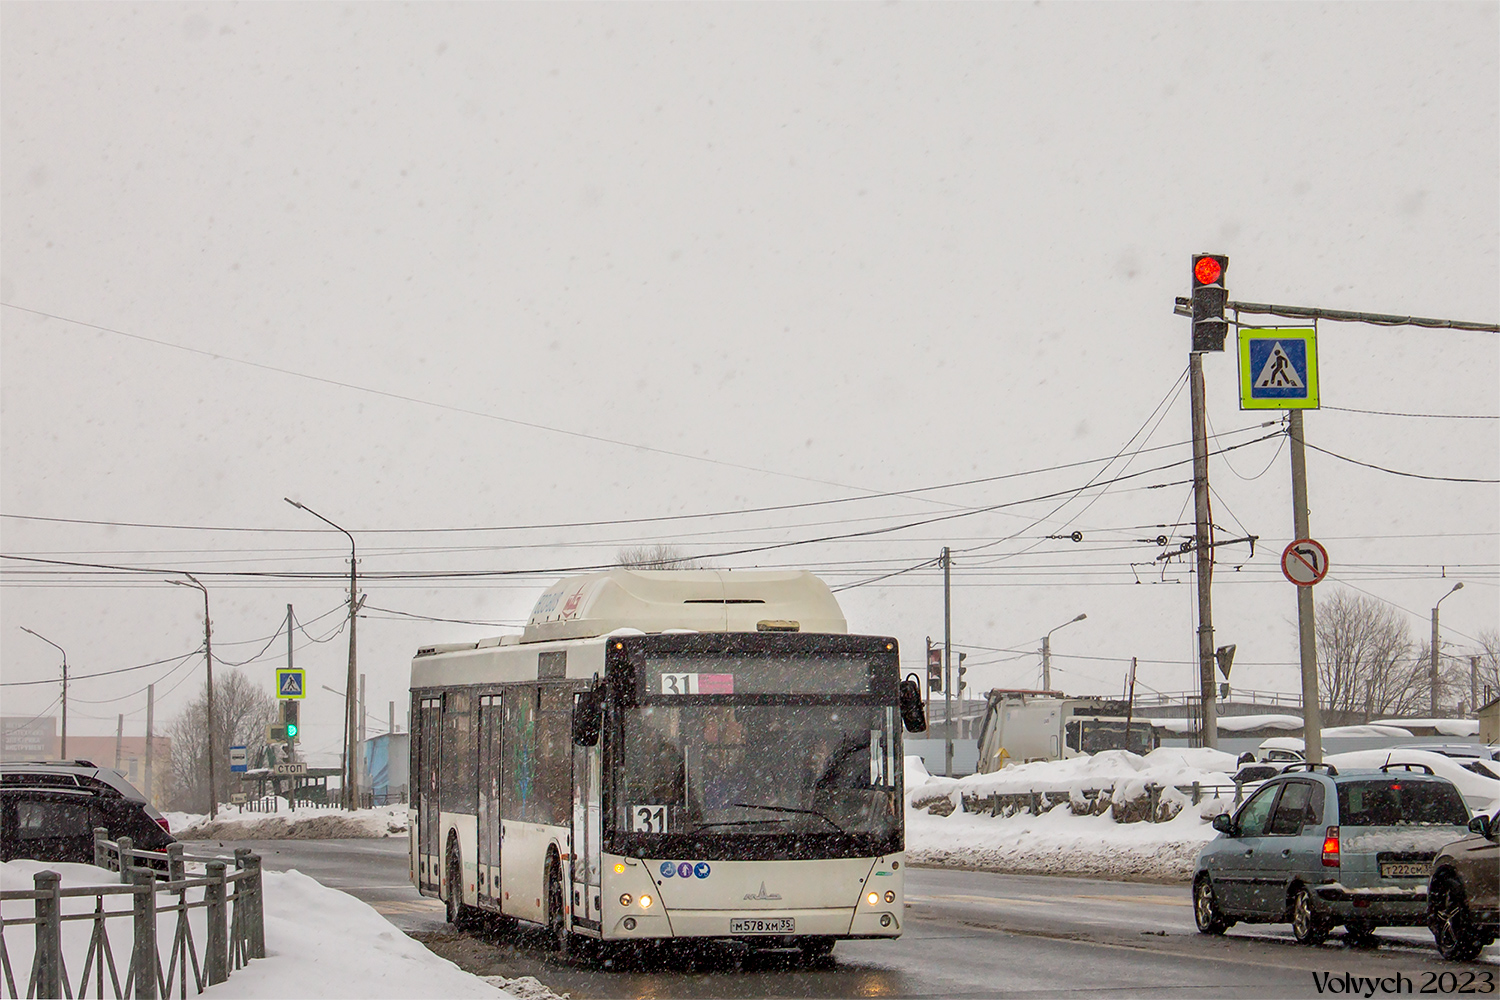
x,y
1405,869
762,925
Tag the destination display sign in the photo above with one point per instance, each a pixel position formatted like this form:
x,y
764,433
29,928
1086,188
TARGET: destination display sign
x,y
682,676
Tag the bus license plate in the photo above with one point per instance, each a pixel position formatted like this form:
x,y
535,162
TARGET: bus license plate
x,y
1406,869
759,925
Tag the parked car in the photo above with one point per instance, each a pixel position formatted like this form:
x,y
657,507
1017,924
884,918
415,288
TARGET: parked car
x,y
1316,848
1463,895
49,809
1280,750
1256,772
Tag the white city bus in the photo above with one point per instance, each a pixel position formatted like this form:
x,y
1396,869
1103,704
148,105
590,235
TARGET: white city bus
x,y
667,754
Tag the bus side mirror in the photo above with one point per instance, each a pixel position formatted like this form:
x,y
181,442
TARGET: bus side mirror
x,y
913,716
588,715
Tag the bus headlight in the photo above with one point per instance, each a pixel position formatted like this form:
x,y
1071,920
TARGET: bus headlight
x,y
873,898
645,902
890,896
625,899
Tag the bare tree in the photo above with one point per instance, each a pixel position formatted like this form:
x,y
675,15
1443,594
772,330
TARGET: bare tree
x,y
242,710
1365,663
658,556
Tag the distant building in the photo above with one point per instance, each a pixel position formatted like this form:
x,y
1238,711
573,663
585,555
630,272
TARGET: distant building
x,y
23,738
1489,721
384,773
28,737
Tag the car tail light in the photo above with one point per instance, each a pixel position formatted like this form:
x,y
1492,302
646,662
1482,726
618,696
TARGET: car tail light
x,y
1331,847
161,821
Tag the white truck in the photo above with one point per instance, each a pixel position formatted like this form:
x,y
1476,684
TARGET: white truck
x,y
1022,726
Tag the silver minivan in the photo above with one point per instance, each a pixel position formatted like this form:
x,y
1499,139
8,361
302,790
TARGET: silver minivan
x,y
1316,848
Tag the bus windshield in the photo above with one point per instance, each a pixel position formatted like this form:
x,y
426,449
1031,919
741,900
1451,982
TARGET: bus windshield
x,y
760,770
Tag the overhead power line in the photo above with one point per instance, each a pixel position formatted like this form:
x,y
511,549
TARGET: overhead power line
x,y
1397,472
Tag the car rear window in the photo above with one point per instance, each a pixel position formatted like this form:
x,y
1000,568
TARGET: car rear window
x,y
1400,802
39,819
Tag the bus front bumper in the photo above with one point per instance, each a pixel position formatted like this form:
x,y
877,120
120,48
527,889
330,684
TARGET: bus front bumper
x,y
767,925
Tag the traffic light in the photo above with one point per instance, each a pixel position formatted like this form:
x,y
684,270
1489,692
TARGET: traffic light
x,y
1209,299
290,713
961,671
934,668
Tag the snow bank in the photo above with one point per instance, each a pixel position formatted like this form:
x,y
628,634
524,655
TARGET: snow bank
x,y
319,942
302,823
1060,841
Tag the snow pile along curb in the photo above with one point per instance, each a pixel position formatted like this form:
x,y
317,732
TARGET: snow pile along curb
x,y
291,824
1072,834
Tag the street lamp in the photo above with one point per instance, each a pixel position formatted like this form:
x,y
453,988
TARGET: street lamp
x,y
351,797
63,750
1456,587
208,657
1047,653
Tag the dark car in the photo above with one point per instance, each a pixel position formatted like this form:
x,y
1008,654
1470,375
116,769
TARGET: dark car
x,y
49,809
1315,848
1463,896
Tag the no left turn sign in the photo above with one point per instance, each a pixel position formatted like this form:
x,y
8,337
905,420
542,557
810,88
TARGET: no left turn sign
x,y
1304,562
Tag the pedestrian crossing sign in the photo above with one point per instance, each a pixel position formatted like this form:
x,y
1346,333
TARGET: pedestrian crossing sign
x,y
1278,369
291,682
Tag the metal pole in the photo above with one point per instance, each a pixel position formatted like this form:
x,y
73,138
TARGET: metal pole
x,y
351,801
1434,682
947,664
119,736
1474,686
1312,712
1204,546
359,761
63,749
208,658
1047,662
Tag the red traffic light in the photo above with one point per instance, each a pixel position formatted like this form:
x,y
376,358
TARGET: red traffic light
x,y
1207,270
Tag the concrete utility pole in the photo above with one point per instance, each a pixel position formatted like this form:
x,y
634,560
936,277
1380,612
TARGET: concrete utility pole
x,y
1435,645
351,799
208,658
359,770
1047,653
150,725
119,737
1474,686
1312,712
1206,686
62,751
947,663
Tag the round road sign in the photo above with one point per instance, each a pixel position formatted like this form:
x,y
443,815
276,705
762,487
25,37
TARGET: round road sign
x,y
1304,562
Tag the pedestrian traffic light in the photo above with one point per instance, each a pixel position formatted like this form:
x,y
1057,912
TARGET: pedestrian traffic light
x,y
1209,299
934,668
289,716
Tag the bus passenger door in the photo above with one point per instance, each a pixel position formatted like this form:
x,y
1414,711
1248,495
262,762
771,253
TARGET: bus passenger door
x,y
489,799
586,830
427,786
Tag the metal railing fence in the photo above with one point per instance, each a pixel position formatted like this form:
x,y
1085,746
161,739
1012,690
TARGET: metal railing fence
x,y
157,882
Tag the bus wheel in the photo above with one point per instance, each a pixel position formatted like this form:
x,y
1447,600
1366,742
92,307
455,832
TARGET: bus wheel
x,y
455,898
558,935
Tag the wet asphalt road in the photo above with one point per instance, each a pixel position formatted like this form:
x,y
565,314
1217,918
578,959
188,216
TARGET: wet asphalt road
x,y
969,934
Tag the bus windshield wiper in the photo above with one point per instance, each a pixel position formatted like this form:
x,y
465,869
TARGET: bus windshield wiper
x,y
790,809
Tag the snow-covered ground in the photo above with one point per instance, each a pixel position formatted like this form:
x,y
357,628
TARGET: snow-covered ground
x,y
319,943
302,823
1070,839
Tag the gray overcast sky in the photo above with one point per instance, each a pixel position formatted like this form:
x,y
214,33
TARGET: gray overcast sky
x,y
512,265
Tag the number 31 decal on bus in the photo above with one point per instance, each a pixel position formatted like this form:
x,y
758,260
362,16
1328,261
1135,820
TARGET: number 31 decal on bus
x,y
648,819
679,683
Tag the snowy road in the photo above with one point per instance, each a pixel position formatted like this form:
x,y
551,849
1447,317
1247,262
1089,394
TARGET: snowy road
x,y
970,934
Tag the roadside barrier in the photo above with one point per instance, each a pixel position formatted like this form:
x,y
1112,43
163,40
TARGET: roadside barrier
x,y
157,882
1149,807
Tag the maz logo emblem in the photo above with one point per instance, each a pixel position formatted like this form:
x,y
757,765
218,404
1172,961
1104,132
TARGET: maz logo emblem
x,y
762,894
